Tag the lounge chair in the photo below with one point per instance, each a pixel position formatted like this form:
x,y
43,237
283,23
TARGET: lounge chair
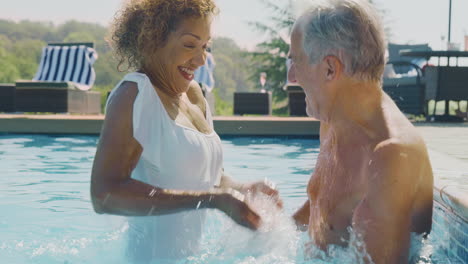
x,y
61,84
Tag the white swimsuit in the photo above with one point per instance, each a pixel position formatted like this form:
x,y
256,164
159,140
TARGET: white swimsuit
x,y
173,157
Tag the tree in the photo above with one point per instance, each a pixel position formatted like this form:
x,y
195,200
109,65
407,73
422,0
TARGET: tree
x,y
270,55
8,72
228,74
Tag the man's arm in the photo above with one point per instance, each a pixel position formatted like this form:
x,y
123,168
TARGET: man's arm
x,y
301,216
383,218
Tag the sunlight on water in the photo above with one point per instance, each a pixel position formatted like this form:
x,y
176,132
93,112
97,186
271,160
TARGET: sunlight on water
x,y
430,249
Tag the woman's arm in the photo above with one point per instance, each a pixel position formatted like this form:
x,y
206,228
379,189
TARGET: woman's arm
x,y
113,191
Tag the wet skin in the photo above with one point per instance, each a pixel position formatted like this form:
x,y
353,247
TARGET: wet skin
x,y
373,172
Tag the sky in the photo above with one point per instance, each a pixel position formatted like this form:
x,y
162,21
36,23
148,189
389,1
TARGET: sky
x,y
410,21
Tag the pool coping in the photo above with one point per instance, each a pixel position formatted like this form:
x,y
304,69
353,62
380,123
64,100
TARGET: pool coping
x,y
91,124
450,183
447,188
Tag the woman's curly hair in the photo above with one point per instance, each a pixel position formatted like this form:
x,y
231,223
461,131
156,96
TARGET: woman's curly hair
x,y
144,25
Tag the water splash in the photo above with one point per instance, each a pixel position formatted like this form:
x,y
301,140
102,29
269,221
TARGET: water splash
x,y
274,243
69,249
430,249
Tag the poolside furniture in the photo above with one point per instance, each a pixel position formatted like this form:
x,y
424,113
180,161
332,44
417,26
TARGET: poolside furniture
x,y
403,78
7,97
407,91
394,55
444,83
448,84
296,100
61,84
56,97
252,103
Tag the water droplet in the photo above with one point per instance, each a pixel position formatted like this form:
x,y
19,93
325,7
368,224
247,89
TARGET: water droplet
x,y
152,193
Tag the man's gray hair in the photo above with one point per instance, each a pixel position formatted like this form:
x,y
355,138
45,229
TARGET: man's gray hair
x,y
351,30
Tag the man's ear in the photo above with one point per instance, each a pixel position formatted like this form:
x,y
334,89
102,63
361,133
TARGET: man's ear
x,y
333,67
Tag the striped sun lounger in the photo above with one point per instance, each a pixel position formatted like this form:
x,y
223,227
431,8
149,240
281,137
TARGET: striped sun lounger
x,y
62,82
68,64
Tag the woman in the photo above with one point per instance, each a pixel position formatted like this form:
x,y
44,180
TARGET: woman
x,y
158,156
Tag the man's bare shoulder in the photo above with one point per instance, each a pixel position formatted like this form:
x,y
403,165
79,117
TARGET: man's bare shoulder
x,y
394,147
402,162
403,137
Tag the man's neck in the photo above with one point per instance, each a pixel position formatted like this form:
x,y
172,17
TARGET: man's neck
x,y
357,108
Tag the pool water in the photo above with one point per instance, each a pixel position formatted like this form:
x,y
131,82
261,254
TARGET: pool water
x,y
46,214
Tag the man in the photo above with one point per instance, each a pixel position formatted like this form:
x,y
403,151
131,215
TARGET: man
x,y
373,172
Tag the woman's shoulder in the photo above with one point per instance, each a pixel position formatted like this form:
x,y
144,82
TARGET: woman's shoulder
x,y
131,84
124,94
139,79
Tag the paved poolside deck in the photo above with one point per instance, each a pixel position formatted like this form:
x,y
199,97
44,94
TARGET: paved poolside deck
x,y
448,150
447,138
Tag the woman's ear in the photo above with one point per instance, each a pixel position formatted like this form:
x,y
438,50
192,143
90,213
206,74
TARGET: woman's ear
x,y
333,66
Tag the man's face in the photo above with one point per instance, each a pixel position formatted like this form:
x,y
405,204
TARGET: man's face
x,y
309,77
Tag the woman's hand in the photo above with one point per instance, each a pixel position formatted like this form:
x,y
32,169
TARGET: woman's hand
x,y
234,205
266,187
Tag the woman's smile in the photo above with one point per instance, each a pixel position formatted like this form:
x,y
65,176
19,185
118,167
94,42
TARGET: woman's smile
x,y
187,73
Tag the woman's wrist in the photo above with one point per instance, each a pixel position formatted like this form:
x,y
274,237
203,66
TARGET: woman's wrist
x,y
221,198
212,199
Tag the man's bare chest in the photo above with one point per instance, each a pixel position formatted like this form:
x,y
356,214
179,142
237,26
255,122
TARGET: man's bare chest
x,y
336,191
336,188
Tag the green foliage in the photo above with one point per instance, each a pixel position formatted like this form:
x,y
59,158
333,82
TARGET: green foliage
x,y
223,107
270,55
104,90
8,72
280,108
229,76
18,60
79,37
21,48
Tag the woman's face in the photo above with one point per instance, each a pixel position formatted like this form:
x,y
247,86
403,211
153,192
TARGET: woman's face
x,y
185,50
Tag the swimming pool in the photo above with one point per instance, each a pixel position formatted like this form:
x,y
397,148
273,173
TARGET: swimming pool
x,y
46,214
